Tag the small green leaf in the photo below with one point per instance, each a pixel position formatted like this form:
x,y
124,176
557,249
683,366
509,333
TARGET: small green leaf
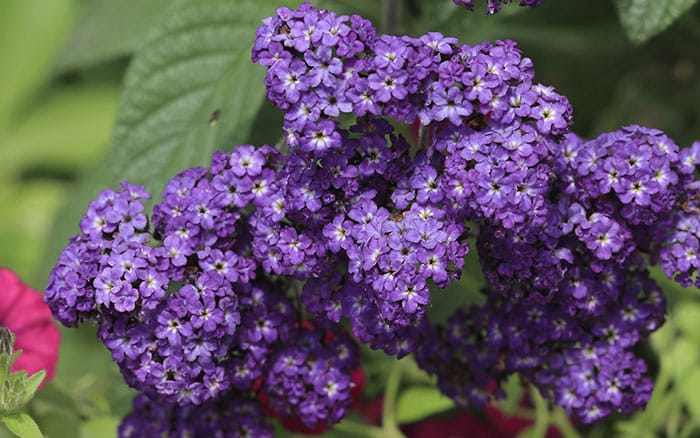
x,y
6,361
194,63
419,402
22,425
642,19
32,384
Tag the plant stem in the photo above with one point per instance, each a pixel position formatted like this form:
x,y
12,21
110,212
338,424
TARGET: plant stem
x,y
422,137
389,426
541,413
561,420
390,16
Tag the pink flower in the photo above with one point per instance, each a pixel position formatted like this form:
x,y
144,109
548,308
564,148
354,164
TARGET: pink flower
x,y
24,312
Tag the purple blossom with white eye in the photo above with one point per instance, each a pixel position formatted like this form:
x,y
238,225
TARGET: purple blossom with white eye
x,y
411,296
447,104
319,137
602,236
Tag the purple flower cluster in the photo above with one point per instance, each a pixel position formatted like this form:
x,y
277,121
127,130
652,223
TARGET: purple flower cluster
x,y
234,416
358,222
201,341
680,254
576,348
321,66
494,6
109,264
182,303
311,377
562,223
393,219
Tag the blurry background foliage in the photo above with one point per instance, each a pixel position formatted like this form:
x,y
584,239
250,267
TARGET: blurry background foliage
x,y
96,91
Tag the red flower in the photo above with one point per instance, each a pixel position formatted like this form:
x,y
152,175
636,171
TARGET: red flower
x,y
24,312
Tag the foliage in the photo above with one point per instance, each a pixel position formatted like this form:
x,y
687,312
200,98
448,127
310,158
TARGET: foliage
x,y
176,77
16,390
642,19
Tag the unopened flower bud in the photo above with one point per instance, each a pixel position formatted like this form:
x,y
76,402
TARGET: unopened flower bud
x,y
7,340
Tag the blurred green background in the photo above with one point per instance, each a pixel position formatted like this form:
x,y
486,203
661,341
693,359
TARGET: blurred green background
x,y
62,68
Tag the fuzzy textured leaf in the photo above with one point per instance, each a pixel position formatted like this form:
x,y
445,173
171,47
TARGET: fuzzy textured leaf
x,y
642,19
32,384
191,90
22,425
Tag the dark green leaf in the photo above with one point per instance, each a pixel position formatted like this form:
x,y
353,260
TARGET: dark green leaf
x,y
642,19
107,29
419,402
195,63
22,425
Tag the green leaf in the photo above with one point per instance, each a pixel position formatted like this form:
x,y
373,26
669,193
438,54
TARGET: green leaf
x,y
107,29
688,389
419,402
32,384
56,423
684,354
25,52
67,131
6,361
26,225
22,425
194,64
687,318
642,19
103,427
